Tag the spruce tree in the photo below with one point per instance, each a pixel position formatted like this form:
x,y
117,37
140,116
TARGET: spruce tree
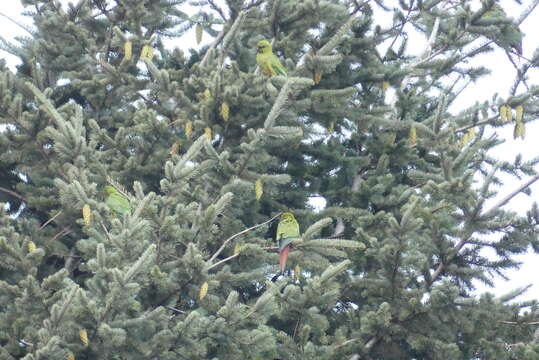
x,y
203,152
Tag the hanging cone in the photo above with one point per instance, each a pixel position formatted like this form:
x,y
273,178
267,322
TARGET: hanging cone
x,y
519,130
503,113
188,129
237,249
207,94
519,113
203,291
297,272
199,31
225,111
413,136
175,148
330,128
86,214
259,190
128,51
317,76
83,337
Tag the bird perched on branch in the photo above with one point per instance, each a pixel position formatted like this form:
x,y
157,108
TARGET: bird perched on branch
x,y
510,35
269,63
287,231
116,201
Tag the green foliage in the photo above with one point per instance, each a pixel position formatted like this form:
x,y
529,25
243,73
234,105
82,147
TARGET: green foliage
x,y
387,267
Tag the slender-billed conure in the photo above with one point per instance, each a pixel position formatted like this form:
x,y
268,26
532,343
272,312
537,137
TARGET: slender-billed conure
x,y
269,63
287,231
511,36
116,201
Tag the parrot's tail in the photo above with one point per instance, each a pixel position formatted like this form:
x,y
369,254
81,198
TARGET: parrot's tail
x,y
283,256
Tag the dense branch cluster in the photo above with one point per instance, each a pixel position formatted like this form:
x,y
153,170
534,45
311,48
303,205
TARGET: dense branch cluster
x,y
144,179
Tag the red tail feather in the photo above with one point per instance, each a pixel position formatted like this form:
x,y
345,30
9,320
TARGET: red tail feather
x,y
283,256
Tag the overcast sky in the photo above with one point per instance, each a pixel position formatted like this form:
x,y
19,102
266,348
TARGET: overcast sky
x,y
500,82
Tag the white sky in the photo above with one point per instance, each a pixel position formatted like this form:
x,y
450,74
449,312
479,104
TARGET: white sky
x,y
500,81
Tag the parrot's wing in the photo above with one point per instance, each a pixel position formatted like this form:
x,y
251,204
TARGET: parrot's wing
x,y
279,233
110,202
276,65
287,232
511,34
260,60
124,204
268,70
118,203
263,62
285,241
294,229
514,37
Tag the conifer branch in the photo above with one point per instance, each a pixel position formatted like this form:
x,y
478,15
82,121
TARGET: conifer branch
x,y
367,348
432,37
121,189
273,18
17,23
112,95
334,270
399,33
57,317
297,326
221,36
442,265
70,259
134,269
527,12
226,40
277,105
339,227
51,219
506,199
513,294
519,323
26,343
425,56
213,45
349,341
222,261
253,4
316,228
63,232
12,193
337,38
235,236
47,106
370,343
330,45
218,9
244,165
175,310
235,256
266,297
479,123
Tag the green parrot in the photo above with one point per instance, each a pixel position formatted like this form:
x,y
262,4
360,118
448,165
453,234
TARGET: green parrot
x,y
269,62
116,201
511,36
287,231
